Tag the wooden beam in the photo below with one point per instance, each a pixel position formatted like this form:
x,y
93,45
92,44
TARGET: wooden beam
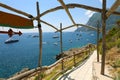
x,y
15,10
67,11
103,37
71,6
54,9
78,25
98,41
48,24
87,26
113,8
40,39
61,46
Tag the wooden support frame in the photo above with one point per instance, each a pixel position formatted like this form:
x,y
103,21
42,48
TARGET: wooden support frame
x,y
67,11
40,42
79,25
49,24
104,17
61,46
54,9
71,6
103,37
113,8
40,38
98,41
74,61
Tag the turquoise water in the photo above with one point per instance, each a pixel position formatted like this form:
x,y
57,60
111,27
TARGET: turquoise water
x,y
24,54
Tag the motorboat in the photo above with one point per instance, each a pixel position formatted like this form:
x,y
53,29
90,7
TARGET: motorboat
x,y
44,42
11,41
92,34
35,36
70,41
55,43
55,36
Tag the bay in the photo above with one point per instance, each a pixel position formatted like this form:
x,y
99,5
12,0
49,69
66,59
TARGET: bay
x,y
24,54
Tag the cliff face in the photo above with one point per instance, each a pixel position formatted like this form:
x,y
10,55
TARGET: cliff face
x,y
97,17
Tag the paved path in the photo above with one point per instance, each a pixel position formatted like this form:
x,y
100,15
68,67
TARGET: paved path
x,y
89,70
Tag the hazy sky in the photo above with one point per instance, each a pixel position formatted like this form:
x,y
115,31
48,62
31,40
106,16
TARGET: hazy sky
x,y
55,18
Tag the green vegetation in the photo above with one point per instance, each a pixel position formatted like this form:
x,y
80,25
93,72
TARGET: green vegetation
x,y
113,50
42,75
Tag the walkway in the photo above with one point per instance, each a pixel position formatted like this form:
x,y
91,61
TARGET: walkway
x,y
89,70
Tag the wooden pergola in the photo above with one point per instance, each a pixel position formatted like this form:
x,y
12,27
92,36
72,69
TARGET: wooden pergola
x,y
105,14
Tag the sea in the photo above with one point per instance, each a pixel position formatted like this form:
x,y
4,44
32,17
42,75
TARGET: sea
x,y
24,54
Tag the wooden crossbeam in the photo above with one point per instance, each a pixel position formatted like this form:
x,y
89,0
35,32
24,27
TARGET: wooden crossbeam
x,y
113,8
15,10
49,24
54,9
91,27
70,6
67,11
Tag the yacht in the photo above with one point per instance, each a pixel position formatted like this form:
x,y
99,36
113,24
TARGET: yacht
x,y
10,40
55,36
55,43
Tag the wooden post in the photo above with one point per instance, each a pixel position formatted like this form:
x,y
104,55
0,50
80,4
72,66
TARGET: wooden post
x,y
62,64
40,39
74,59
86,51
103,36
98,42
61,49
89,49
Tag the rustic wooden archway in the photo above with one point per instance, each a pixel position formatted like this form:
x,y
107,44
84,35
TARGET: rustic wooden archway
x,y
105,15
71,6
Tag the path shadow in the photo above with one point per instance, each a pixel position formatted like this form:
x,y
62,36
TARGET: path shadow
x,y
68,78
108,76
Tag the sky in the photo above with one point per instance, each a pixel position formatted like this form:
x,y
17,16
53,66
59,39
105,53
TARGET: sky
x,y
80,16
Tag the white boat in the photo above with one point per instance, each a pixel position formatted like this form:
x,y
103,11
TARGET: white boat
x,y
55,36
92,34
44,42
87,39
35,36
55,43
70,41
10,40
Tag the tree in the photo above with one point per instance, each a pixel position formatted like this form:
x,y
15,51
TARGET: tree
x,y
118,22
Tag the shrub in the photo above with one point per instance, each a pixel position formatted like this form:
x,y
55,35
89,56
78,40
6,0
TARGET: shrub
x,y
117,62
109,45
42,75
118,43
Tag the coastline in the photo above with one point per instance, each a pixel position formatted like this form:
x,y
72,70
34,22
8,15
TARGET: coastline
x,y
26,57
50,67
